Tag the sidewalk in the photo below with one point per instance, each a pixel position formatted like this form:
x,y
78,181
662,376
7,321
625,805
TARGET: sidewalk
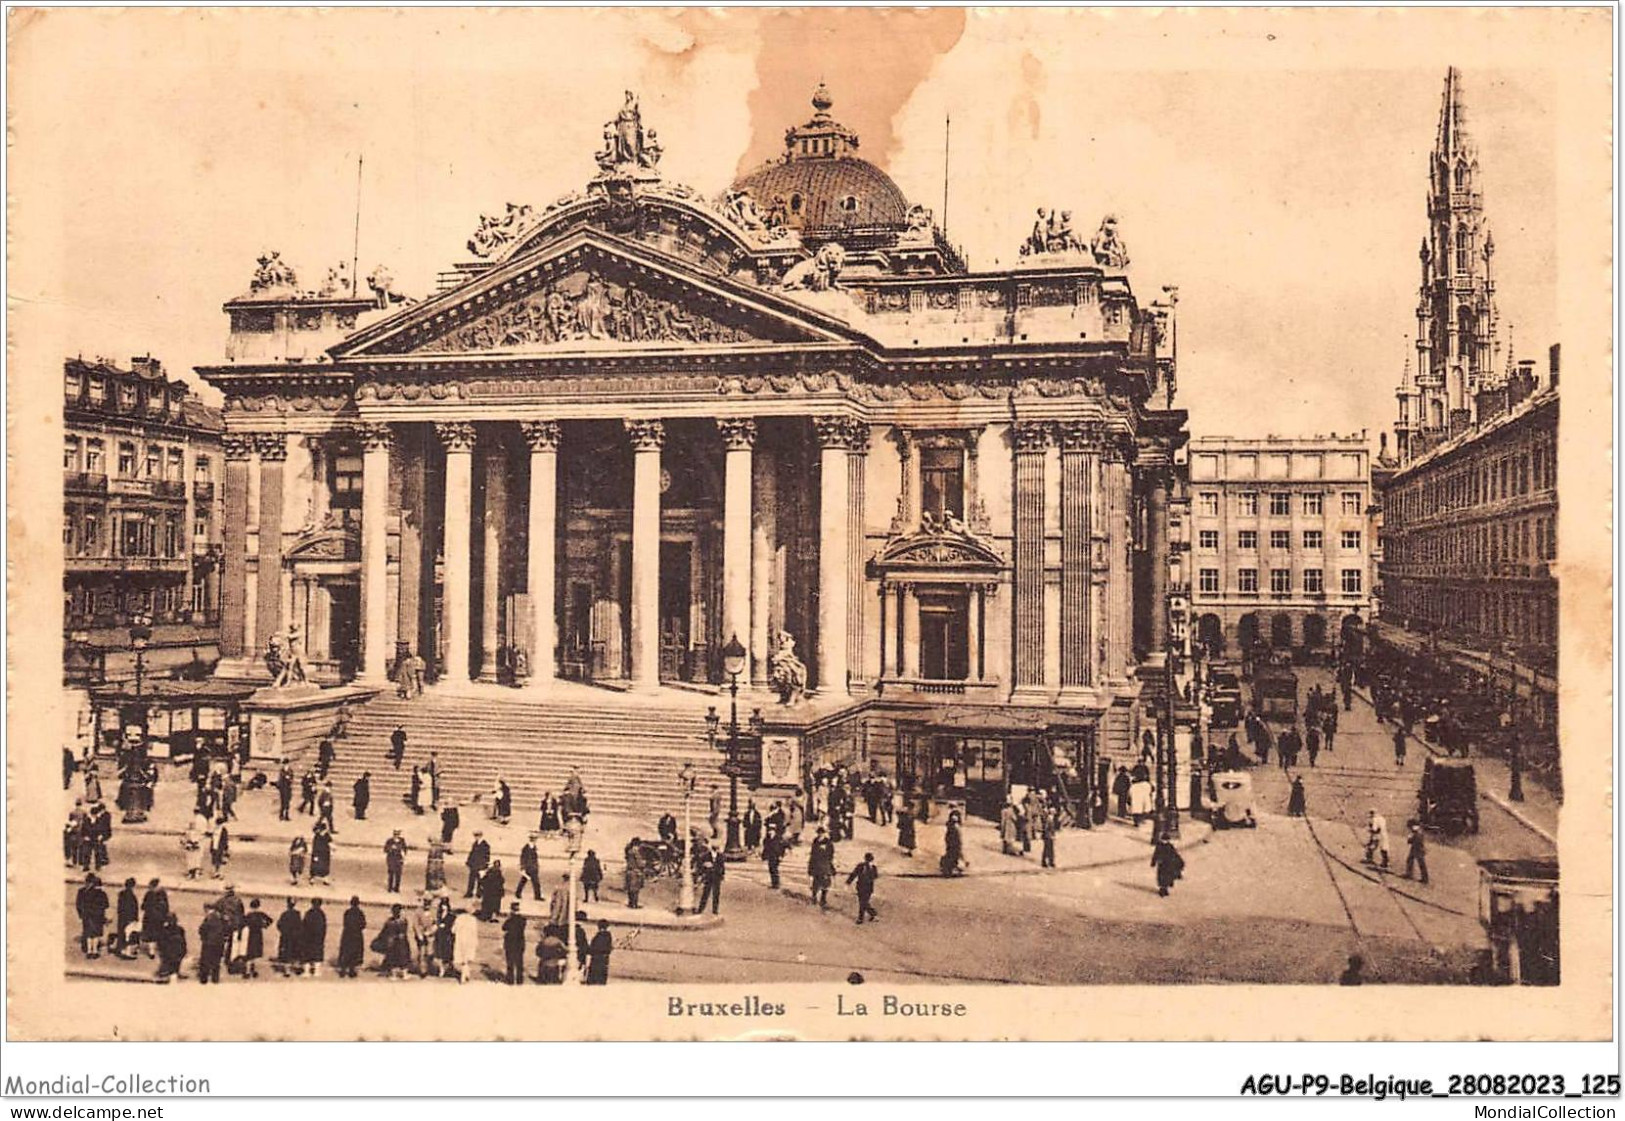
x,y
1539,810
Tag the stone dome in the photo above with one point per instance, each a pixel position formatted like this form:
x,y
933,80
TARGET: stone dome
x,y
820,183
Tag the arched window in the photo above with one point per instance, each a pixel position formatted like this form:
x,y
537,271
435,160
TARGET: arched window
x,y
1461,176
1464,249
795,204
1467,337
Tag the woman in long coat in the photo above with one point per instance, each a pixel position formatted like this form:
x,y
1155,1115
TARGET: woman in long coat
x,y
905,830
313,938
298,850
444,941
321,852
1009,830
353,939
396,943
953,846
154,915
290,937
1168,863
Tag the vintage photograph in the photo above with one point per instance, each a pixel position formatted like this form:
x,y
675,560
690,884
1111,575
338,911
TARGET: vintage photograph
x,y
880,502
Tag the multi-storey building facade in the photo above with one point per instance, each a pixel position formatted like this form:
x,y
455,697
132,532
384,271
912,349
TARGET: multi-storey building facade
x,y
141,529
1280,548
639,423
1470,539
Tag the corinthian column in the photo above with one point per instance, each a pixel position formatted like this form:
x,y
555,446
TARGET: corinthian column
x,y
234,545
1119,600
493,522
836,437
1031,438
647,437
764,489
376,441
458,438
542,436
738,437
273,449
1157,519
1079,450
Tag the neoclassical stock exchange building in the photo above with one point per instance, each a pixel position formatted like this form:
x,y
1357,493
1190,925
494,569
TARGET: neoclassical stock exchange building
x,y
639,421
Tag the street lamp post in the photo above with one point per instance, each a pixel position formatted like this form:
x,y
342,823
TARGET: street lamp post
x,y
733,664
1170,769
573,826
1515,762
140,635
685,881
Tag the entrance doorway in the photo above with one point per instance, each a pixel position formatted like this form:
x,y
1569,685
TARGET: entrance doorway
x,y
676,596
944,636
344,626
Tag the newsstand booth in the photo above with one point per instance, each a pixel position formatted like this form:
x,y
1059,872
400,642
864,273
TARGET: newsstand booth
x,y
979,759
175,719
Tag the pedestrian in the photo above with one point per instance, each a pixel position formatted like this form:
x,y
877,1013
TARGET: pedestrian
x,y
797,819
307,792
290,939
363,795
445,936
1008,829
298,849
1169,864
325,754
93,785
284,791
1050,824
821,867
478,859
905,831
313,939
1295,806
324,807
171,949
394,861
219,848
1355,973
551,953
529,870
321,853
1400,737
503,802
255,923
753,826
1121,785
953,847
493,889
863,875
397,746
772,854
1376,837
423,924
450,819
1416,855
1311,743
714,815
1329,726
513,944
70,767
558,905
632,874
465,944
352,939
598,951
395,943
1024,823
91,905
715,871
211,946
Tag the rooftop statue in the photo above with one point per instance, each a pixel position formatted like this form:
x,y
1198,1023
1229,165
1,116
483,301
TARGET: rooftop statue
x,y
273,273
1108,248
1052,233
818,272
626,144
498,231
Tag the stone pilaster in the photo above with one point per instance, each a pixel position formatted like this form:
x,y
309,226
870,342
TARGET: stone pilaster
x,y
376,443
857,548
647,438
836,437
493,524
409,467
763,545
234,546
541,574
1157,546
458,439
1031,438
738,438
1079,452
273,453
1119,538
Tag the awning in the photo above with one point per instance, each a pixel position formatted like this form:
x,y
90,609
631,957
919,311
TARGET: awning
x,y
971,720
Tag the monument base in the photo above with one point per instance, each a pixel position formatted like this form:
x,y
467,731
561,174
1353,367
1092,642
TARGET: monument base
x,y
286,723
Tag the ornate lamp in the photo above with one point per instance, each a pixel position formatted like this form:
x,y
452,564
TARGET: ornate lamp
x,y
733,664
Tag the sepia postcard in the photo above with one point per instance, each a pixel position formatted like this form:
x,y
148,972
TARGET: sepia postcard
x,y
935,524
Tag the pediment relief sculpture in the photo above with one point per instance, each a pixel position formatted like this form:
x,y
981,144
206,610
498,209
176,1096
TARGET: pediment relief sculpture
x,y
940,541
586,307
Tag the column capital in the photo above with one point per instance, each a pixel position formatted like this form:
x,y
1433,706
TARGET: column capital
x,y
1116,451
541,435
1031,435
646,435
846,432
237,445
1079,436
738,433
455,435
375,436
272,446
904,438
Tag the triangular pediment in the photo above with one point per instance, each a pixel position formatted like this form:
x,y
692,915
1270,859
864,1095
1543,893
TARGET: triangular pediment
x,y
591,291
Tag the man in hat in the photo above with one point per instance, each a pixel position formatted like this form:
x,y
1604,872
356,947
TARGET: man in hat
x,y
394,860
284,791
91,904
479,858
212,935
513,944
529,870
864,876
127,928
558,907
397,746
821,867
363,795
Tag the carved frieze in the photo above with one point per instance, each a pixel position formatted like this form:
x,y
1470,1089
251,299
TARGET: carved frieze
x,y
284,403
541,435
587,306
944,542
272,446
409,391
237,445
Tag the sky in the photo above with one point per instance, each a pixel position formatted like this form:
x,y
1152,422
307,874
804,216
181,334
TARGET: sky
x,y
1270,165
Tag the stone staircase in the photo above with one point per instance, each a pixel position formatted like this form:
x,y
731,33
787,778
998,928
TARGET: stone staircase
x,y
629,756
